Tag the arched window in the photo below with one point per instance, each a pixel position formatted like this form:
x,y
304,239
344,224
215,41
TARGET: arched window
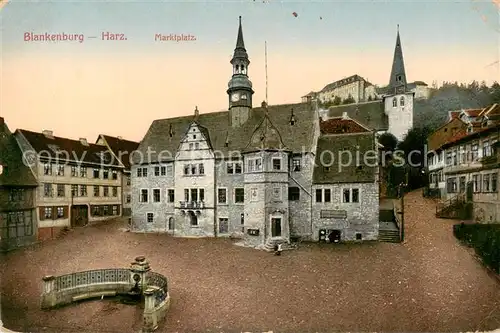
x,y
242,69
171,223
402,101
394,102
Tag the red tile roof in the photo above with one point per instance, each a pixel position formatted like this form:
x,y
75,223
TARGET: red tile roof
x,y
454,114
473,112
341,126
461,135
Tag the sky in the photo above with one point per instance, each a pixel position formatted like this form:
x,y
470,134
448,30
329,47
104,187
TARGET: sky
x,y
118,87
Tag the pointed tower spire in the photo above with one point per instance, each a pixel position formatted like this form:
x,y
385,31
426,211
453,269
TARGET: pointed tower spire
x,y
239,42
397,81
240,53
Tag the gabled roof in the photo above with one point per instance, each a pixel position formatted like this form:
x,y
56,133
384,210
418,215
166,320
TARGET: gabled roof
x,y
461,137
453,115
472,113
490,110
121,148
164,135
265,137
332,161
311,94
341,125
370,114
15,172
68,150
342,82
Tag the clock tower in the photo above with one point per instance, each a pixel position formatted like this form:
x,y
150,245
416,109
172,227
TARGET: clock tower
x,y
240,87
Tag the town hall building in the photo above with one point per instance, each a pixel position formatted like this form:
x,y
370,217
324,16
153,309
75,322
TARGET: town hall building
x,y
257,173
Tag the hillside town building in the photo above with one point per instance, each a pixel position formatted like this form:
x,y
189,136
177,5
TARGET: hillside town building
x,y
79,182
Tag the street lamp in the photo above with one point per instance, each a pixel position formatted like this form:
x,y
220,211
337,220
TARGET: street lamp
x,y
402,187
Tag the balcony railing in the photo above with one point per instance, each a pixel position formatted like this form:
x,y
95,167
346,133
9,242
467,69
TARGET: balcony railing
x,y
192,204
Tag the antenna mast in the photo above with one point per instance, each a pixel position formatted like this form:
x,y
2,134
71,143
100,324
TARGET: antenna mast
x,y
265,50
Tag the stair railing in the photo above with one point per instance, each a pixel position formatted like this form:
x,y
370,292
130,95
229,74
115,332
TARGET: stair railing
x,y
441,206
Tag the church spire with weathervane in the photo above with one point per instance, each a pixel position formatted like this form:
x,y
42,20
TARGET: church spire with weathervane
x,y
397,81
240,87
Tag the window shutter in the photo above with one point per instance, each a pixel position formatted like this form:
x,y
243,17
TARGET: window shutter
x,y
65,212
41,213
54,213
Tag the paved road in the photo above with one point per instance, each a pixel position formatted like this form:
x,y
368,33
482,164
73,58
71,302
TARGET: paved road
x,y
430,283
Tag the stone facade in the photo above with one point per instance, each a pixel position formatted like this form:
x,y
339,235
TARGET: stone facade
x,y
355,220
399,110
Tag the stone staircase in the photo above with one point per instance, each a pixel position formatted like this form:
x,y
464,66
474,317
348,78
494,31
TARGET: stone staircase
x,y
456,208
285,245
389,236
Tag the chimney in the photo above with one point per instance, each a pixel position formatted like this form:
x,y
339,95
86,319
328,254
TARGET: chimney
x,y
48,134
119,138
84,142
344,115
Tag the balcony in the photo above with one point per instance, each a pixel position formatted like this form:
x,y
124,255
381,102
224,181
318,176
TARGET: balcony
x,y
192,204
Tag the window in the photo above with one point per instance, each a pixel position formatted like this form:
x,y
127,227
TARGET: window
x,y
105,190
402,101
277,194
74,190
293,193
142,172
163,171
462,155
60,170
156,195
358,235
494,182
194,194
170,223
61,190
128,180
96,173
114,174
328,195
296,164
230,168
157,171
83,172
454,156
74,171
60,212
233,168
47,169
239,195
355,195
193,219
238,168
115,210
186,169
129,198
223,225
149,217
105,174
47,212
115,191
47,190
96,191
476,182
201,169
186,194
346,195
144,196
171,197
474,152
190,146
222,195
196,145
319,195
170,169
276,164
462,184
202,194
486,149
193,169
394,102
451,185
449,157
486,183
83,190
254,164
105,210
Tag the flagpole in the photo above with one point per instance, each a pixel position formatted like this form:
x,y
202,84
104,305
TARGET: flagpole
x,y
265,51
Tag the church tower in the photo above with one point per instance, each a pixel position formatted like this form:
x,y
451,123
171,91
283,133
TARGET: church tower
x,y
398,101
240,87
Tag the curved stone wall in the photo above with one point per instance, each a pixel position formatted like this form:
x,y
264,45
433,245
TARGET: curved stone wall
x,y
137,280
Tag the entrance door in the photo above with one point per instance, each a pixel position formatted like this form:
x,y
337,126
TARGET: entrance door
x,y
334,236
276,227
469,191
79,216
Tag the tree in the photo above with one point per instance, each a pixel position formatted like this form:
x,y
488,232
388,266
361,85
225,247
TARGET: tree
x,y
389,141
337,100
349,100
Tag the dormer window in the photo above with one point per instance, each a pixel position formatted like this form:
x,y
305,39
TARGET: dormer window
x,y
394,102
402,101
